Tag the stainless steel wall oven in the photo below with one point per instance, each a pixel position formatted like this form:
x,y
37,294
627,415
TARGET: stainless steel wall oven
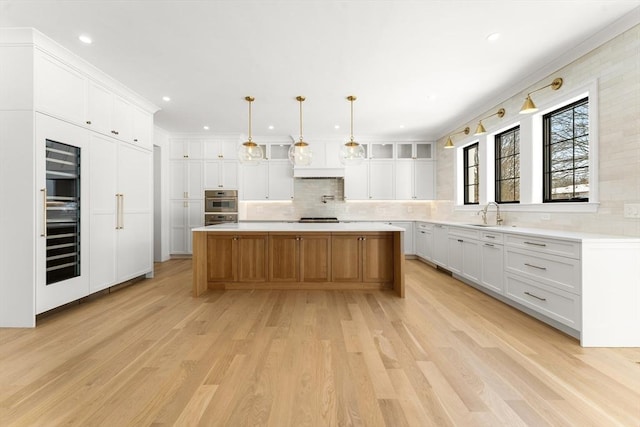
x,y
220,206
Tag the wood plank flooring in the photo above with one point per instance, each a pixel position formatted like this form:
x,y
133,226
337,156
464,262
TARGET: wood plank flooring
x,y
150,354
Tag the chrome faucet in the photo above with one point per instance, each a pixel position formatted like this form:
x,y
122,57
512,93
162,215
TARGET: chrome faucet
x,y
483,212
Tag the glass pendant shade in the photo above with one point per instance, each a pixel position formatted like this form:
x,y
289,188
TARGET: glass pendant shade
x,y
300,154
352,153
249,152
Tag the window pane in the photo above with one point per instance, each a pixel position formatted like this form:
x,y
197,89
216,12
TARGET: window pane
x,y
516,189
507,191
472,194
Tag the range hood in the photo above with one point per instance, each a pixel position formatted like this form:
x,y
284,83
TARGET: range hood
x,y
325,163
311,172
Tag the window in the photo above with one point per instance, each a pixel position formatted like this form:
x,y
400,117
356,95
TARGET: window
x,y
507,149
566,153
471,175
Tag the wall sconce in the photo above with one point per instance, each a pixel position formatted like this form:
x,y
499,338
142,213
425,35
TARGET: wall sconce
x,y
449,143
480,130
529,106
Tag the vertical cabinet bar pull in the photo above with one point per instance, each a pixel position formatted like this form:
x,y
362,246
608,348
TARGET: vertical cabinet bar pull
x,y
121,211
117,211
43,233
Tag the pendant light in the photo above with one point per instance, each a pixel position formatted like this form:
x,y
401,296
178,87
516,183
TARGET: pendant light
x,y
249,152
352,152
300,153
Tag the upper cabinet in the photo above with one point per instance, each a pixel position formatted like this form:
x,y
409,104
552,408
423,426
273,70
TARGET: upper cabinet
x,y
60,91
187,149
220,149
414,150
68,91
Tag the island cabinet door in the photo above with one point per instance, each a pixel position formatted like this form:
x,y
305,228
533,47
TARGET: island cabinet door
x,y
377,257
284,258
346,257
222,258
252,257
315,257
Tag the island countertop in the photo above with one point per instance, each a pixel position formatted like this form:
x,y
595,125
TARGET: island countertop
x,y
297,227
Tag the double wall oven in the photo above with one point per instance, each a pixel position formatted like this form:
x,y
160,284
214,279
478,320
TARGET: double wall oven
x,y
220,206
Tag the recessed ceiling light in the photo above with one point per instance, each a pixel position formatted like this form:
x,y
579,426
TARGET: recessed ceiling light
x,y
166,98
271,127
493,37
85,39
336,127
401,126
205,127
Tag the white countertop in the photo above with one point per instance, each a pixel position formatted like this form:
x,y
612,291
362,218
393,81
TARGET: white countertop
x,y
541,232
297,227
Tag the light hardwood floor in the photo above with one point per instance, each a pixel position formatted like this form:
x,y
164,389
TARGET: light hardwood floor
x,y
446,355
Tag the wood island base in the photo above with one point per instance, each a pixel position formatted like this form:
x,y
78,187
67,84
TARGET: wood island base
x,y
298,260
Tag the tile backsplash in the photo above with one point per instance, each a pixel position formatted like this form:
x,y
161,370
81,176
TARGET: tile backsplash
x,y
308,202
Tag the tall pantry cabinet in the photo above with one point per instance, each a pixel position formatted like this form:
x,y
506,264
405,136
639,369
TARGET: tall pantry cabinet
x,y
75,178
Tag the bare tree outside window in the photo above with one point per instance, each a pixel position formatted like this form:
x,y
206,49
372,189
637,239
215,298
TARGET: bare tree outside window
x,y
507,149
471,175
566,153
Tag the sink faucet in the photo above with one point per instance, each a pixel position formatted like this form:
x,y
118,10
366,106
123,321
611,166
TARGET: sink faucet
x,y
483,212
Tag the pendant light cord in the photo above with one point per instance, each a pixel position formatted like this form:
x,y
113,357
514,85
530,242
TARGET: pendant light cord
x,y
351,119
300,99
249,121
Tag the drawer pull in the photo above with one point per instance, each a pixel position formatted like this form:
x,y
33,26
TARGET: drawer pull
x,y
490,236
535,244
490,244
535,266
535,296
460,240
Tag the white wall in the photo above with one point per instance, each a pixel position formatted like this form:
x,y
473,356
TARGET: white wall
x,y
615,68
160,194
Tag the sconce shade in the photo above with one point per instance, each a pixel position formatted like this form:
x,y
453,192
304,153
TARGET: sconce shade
x,y
528,106
480,130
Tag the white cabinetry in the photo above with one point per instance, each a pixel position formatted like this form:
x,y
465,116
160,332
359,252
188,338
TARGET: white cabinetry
x,y
184,215
220,149
60,90
441,245
408,236
381,180
220,174
356,181
186,179
186,149
121,212
270,180
50,100
492,264
414,171
424,240
464,253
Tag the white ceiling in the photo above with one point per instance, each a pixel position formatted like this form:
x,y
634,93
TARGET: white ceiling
x,y
423,65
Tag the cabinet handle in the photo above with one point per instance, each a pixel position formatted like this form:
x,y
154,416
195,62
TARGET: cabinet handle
x,y
535,266
220,186
535,296
460,240
186,204
423,232
135,139
491,245
489,236
535,244
88,122
185,156
117,211
121,211
235,237
44,212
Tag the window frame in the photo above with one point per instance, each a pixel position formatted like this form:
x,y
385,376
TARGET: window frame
x,y
547,146
498,177
465,178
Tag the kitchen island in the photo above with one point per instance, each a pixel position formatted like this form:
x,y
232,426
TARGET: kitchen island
x,y
290,255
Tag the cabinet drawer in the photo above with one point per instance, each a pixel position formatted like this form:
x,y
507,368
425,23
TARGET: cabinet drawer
x,y
539,244
558,305
491,237
560,272
424,226
464,232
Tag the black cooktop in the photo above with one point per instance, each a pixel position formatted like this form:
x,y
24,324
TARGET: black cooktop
x,y
318,219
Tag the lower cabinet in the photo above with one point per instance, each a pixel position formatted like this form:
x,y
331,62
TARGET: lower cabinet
x,y
441,245
300,258
408,236
423,239
464,253
362,257
492,266
237,257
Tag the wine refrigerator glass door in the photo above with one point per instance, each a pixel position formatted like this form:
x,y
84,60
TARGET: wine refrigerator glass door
x,y
63,211
62,274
